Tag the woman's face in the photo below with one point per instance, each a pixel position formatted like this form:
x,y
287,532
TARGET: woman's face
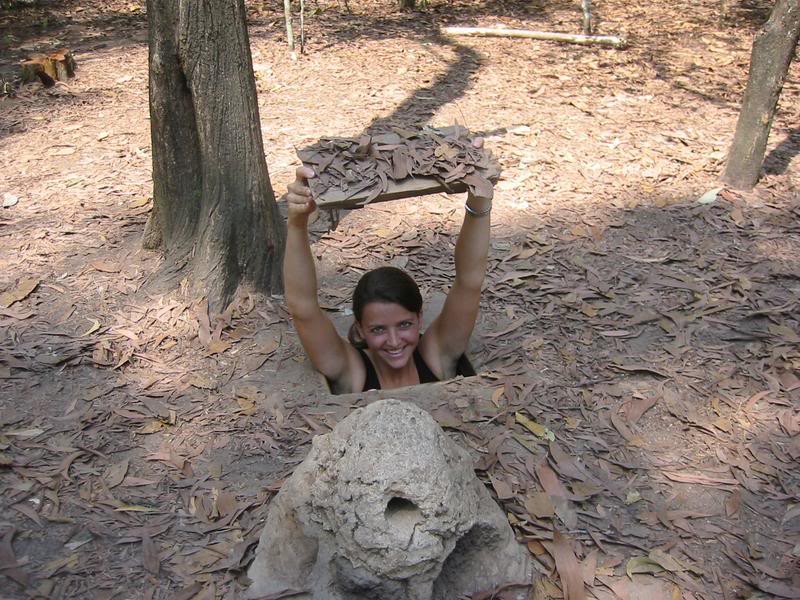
x,y
390,331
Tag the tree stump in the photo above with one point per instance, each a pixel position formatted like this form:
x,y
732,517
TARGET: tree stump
x,y
48,68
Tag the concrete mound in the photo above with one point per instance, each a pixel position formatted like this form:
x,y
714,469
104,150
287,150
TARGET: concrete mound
x,y
386,507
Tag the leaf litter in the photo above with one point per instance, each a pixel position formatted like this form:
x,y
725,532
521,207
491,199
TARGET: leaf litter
x,y
654,337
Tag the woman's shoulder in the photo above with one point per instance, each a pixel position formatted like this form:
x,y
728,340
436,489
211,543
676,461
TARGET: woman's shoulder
x,y
355,375
430,351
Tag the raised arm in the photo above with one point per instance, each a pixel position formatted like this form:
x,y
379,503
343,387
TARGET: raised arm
x,y
449,334
326,349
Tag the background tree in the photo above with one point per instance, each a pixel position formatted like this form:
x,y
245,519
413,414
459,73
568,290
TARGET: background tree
x,y
214,211
773,49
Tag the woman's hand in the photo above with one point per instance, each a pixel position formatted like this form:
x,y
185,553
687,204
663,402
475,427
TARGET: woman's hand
x,y
478,204
299,200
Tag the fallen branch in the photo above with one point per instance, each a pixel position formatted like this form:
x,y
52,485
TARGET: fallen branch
x,y
573,38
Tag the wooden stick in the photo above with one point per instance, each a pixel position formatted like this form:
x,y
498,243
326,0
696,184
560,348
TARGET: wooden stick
x,y
600,40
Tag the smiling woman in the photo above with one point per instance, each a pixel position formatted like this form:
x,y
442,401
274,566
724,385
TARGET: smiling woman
x,y
387,306
385,348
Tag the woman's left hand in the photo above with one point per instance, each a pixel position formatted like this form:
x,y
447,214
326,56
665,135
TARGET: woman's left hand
x,y
477,203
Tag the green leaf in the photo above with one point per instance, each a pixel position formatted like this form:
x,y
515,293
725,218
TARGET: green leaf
x,y
710,196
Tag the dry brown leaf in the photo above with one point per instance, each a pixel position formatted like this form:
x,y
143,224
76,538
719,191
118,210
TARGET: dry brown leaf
x,y
549,481
790,421
787,333
29,512
218,346
28,433
115,474
496,395
635,408
569,570
733,502
539,505
188,592
150,557
224,503
54,566
8,560
20,292
737,216
616,333
699,479
134,508
619,424
136,481
202,381
501,488
151,426
62,150
589,567
105,266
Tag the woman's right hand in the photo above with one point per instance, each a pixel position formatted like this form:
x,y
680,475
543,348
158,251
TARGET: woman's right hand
x,y
299,199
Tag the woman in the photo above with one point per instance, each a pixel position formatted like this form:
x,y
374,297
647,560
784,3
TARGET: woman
x,y
385,349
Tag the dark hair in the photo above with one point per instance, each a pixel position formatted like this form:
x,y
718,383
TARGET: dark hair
x,y
384,284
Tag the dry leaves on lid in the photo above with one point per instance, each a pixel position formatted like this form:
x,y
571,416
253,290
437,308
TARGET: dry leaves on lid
x,y
371,166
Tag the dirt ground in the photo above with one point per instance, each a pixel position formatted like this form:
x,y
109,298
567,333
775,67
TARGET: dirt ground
x,y
637,409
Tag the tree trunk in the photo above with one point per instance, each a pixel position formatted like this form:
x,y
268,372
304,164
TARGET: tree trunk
x,y
407,4
773,49
213,201
588,19
287,15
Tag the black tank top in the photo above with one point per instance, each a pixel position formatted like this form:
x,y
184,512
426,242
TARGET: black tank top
x,y
371,382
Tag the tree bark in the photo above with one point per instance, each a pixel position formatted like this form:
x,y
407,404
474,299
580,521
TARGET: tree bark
x,y
213,201
588,19
773,49
407,4
287,16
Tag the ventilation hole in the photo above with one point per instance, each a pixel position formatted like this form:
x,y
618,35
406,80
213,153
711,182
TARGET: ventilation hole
x,y
402,513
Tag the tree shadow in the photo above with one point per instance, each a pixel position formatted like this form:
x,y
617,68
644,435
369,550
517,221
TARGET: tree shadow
x,y
445,88
753,13
700,79
777,161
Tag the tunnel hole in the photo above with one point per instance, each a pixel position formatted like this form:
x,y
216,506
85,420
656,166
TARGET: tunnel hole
x,y
464,369
402,513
